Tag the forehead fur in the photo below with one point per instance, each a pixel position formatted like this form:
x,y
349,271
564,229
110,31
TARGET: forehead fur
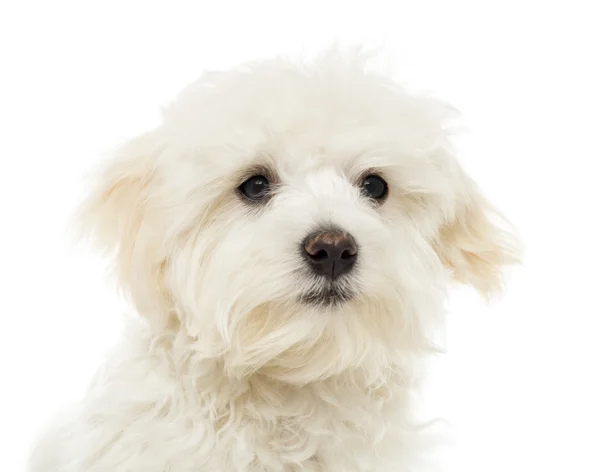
x,y
332,106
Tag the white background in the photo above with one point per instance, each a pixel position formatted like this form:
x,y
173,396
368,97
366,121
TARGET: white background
x,y
520,381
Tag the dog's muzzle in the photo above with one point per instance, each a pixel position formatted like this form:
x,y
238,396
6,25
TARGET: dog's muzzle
x,y
331,256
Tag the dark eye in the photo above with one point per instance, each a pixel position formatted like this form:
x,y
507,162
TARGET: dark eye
x,y
255,188
374,187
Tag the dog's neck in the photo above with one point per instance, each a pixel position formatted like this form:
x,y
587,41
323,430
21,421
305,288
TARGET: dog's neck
x,y
350,413
281,389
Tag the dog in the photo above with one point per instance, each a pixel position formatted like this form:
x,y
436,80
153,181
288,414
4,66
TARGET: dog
x,y
287,236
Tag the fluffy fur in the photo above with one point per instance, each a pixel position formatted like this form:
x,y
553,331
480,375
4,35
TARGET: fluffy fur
x,y
227,369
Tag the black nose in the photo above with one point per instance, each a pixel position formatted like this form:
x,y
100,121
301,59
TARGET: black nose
x,y
331,253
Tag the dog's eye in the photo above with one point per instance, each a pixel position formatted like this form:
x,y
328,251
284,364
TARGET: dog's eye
x,y
374,187
255,188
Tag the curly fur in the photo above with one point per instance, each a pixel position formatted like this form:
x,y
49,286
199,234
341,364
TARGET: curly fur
x,y
227,369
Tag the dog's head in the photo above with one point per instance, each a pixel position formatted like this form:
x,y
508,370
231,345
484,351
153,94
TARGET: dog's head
x,y
296,219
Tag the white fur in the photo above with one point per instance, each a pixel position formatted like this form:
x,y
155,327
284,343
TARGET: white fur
x,y
226,370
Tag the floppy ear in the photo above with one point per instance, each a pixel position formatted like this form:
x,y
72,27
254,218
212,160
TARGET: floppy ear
x,y
477,243
120,218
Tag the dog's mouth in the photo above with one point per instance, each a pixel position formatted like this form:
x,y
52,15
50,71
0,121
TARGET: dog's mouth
x,y
329,296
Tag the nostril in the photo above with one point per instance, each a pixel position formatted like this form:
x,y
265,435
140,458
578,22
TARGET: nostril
x,y
320,255
348,254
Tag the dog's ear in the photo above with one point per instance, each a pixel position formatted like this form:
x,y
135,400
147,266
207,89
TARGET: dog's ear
x,y
120,218
477,243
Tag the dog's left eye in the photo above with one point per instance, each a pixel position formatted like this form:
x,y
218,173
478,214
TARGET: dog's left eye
x,y
374,187
255,188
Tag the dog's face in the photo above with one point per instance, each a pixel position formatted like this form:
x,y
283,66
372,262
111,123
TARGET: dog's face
x,y
296,220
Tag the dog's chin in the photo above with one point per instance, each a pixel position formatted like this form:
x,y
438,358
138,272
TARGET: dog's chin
x,y
329,296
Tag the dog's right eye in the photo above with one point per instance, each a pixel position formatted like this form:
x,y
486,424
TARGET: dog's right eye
x,y
255,188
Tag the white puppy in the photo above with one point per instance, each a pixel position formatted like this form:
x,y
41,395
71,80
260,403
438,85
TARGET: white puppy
x,y
286,235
